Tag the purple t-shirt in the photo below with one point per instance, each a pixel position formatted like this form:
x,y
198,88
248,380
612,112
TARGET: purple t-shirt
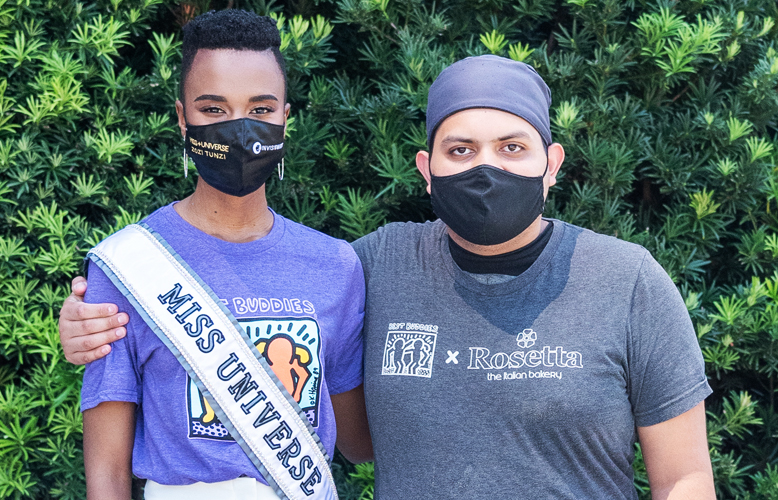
x,y
294,286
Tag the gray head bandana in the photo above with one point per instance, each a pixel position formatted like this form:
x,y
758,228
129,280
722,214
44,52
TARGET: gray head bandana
x,y
490,82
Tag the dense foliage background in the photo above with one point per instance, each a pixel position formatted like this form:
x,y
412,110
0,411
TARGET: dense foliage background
x,y
667,111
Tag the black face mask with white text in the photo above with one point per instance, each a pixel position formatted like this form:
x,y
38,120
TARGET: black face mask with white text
x,y
486,205
236,156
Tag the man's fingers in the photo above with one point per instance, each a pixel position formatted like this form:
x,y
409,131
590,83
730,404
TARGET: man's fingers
x,y
82,358
86,330
88,327
87,348
79,311
90,311
81,348
95,340
78,286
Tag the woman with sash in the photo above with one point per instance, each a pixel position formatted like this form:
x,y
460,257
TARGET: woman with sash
x,y
174,402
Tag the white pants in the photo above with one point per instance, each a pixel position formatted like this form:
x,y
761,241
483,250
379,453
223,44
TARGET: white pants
x,y
242,488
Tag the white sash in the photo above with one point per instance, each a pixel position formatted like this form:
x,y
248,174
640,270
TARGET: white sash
x,y
236,380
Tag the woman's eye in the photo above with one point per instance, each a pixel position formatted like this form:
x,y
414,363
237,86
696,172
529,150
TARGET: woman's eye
x,y
211,109
261,111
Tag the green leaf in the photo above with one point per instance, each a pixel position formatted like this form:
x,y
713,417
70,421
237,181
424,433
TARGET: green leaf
x,y
494,41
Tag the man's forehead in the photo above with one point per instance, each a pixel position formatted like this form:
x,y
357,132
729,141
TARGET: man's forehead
x,y
478,124
489,82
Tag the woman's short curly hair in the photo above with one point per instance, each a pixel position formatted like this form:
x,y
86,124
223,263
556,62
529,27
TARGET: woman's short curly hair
x,y
230,29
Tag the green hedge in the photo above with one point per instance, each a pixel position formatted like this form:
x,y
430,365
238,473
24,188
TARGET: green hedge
x,y
667,111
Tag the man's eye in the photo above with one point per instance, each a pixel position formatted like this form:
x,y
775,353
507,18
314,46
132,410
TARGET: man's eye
x,y
513,148
460,151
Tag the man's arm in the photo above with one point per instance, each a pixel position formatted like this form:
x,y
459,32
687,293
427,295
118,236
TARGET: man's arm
x,y
353,439
109,431
86,330
677,457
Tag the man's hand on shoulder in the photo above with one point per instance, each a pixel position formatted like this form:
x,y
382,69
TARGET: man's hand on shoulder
x,y
86,330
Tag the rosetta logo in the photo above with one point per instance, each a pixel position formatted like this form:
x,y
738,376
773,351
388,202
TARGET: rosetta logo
x,y
526,338
257,148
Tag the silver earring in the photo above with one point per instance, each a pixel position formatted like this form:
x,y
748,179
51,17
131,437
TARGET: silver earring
x,y
186,165
281,170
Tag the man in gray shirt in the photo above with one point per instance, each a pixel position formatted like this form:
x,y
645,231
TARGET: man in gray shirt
x,y
551,348
507,355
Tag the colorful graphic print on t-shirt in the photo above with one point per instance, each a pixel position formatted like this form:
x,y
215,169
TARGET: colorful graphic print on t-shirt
x,y
291,346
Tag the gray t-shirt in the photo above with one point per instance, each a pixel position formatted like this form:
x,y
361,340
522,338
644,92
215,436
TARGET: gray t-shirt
x,y
526,388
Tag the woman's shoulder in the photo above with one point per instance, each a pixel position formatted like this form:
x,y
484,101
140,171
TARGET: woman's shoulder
x,y
303,232
300,239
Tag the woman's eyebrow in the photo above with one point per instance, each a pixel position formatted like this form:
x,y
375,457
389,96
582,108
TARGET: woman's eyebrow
x,y
211,97
263,97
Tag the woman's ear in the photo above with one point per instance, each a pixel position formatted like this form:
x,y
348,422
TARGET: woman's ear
x,y
287,109
181,119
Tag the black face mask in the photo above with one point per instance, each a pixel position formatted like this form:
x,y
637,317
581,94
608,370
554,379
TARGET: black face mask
x,y
237,156
486,205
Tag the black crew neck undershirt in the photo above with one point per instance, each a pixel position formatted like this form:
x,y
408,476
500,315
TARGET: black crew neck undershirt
x,y
512,263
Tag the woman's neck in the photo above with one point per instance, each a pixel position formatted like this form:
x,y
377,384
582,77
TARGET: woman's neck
x,y
229,218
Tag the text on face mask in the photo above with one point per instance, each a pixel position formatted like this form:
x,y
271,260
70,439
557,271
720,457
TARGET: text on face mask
x,y
209,145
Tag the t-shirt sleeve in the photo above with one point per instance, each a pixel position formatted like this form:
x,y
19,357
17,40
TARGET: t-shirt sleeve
x,y
365,247
114,377
344,361
666,369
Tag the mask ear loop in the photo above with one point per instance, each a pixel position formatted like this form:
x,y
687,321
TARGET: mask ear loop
x,y
545,146
281,170
186,157
429,160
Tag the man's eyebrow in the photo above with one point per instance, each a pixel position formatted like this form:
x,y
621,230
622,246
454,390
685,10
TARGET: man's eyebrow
x,y
211,97
263,97
515,135
451,138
